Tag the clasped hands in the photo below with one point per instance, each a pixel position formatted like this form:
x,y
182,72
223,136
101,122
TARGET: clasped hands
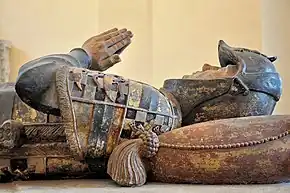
x,y
105,48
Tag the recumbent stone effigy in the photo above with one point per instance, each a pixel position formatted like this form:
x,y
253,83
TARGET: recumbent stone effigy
x,y
65,116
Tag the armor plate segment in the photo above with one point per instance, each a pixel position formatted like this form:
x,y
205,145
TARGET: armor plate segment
x,y
107,103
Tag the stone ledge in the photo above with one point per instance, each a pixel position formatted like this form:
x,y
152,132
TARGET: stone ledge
x,y
95,186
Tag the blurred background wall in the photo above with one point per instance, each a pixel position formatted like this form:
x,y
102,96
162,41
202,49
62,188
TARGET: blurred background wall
x,y
171,37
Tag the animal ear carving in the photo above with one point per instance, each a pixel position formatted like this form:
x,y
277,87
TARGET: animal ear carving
x,y
272,58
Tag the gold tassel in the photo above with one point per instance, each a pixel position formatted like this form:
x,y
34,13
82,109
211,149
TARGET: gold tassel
x,y
125,165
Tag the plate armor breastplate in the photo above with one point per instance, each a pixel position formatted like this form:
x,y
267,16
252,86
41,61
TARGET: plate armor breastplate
x,y
103,105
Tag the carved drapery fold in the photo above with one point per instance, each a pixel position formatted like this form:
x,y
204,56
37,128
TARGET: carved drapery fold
x,y
5,47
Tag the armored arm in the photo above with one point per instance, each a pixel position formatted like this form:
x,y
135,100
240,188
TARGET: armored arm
x,y
35,83
36,79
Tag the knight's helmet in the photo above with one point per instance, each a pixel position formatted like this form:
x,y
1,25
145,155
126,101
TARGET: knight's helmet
x,y
252,89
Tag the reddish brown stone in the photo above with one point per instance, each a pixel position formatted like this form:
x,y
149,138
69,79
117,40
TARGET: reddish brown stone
x,y
242,152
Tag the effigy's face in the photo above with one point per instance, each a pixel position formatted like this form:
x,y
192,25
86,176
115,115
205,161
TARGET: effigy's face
x,y
229,65
255,62
210,72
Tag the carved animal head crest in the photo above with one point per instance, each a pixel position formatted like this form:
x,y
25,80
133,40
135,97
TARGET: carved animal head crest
x,y
255,61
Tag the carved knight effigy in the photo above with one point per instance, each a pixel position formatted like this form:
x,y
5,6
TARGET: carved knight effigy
x,y
65,116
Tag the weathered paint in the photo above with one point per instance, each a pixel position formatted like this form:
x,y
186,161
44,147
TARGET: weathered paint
x,y
83,126
229,151
24,113
65,165
115,130
135,94
116,102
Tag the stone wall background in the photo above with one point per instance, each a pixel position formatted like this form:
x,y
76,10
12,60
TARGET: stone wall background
x,y
5,47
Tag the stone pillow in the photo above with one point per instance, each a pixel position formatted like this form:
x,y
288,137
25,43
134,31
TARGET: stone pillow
x,y
231,151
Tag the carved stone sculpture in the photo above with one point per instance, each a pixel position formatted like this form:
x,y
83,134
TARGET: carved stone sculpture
x,y
65,116
247,150
247,84
5,47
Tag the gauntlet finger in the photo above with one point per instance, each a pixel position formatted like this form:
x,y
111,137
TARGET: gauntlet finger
x,y
113,34
117,38
118,46
100,35
109,62
107,32
122,49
